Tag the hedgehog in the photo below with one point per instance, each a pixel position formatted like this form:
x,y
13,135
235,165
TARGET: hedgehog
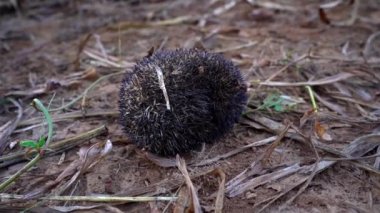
x,y
175,100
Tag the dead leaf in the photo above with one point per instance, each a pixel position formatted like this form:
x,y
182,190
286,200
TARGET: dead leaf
x,y
181,164
184,201
322,131
220,196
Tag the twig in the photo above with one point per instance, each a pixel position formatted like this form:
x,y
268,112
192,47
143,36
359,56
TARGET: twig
x,y
348,99
352,158
312,175
107,62
303,57
100,198
56,147
322,81
31,163
81,47
236,151
69,115
172,21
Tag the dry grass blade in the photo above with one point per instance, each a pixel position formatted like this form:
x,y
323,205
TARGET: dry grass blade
x,y
377,160
363,145
83,95
275,127
129,24
331,4
353,158
184,202
348,99
314,172
161,161
88,157
74,208
353,16
69,115
237,186
218,11
7,129
263,179
81,47
271,148
228,6
236,151
327,80
368,48
335,107
107,62
303,57
220,195
181,164
238,47
98,198
273,5
294,180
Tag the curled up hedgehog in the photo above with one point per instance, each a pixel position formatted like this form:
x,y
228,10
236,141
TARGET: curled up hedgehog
x,y
173,101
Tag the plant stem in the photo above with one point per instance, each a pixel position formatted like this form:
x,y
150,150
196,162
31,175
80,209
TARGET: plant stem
x,y
20,172
312,97
39,106
56,147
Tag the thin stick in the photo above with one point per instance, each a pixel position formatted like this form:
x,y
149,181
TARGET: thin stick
x,y
70,115
236,151
312,175
305,56
322,81
31,163
353,158
55,147
100,198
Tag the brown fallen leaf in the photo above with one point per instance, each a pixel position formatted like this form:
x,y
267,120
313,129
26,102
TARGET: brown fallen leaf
x,y
181,164
321,131
184,201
